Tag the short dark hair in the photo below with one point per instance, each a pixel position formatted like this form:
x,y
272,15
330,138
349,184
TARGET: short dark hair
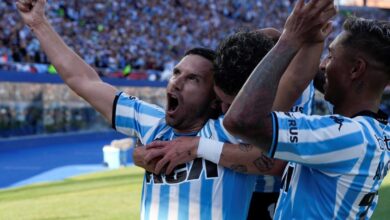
x,y
203,52
237,56
371,37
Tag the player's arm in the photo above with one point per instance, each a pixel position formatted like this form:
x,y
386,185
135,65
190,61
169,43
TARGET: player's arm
x,y
298,76
238,157
249,117
78,75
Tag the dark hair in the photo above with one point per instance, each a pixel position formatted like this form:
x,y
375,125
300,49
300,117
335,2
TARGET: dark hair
x,y
371,37
203,52
237,56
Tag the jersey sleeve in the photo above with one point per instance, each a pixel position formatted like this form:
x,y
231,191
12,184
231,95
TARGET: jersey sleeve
x,y
218,131
330,143
304,104
134,117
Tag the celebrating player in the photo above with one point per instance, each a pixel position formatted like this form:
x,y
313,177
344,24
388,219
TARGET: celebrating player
x,y
337,162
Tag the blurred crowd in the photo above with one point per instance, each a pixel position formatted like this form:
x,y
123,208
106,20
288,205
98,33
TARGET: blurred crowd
x,y
144,37
140,39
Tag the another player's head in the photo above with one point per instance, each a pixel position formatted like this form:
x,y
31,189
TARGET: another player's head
x,y
358,62
237,56
191,100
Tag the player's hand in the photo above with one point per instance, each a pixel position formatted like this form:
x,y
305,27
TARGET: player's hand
x,y
32,11
139,159
309,22
172,153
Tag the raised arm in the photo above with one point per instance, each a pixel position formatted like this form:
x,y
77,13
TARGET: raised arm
x,y
297,76
249,117
77,74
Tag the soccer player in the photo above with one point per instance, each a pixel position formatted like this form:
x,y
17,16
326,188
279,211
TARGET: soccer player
x,y
337,162
199,189
196,190
237,56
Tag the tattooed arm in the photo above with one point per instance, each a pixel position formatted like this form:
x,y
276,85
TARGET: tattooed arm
x,y
246,158
249,115
242,158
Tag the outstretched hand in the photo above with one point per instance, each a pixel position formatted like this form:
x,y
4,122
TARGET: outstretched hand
x,y
309,22
172,153
32,11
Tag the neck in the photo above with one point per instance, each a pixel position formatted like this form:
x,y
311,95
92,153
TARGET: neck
x,y
353,105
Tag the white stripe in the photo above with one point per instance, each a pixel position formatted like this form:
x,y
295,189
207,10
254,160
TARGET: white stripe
x,y
335,156
143,201
194,208
155,202
305,97
322,134
146,120
216,210
173,202
215,132
146,137
294,184
269,183
127,131
344,183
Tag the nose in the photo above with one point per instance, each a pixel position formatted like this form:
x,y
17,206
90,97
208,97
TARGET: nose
x,y
177,82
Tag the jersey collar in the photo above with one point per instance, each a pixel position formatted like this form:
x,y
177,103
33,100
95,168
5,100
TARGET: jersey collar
x,y
380,116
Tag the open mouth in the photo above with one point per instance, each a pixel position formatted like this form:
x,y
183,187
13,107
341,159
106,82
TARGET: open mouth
x,y
173,103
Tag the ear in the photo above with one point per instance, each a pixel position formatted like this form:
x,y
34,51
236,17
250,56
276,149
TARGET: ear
x,y
359,68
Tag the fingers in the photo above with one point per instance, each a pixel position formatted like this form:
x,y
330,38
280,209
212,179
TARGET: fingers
x,y
320,6
155,144
170,167
22,7
328,13
299,5
152,154
161,164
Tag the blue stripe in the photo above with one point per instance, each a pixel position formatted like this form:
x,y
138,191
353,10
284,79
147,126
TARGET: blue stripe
x,y
148,200
343,166
184,201
325,146
140,106
148,109
219,127
359,180
206,193
163,207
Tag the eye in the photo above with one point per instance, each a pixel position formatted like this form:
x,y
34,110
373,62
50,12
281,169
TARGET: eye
x,y
175,72
193,78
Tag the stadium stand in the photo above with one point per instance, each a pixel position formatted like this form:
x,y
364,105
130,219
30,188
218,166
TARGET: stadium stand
x,y
143,38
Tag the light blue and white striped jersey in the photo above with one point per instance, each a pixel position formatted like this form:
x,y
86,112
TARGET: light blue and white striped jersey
x,y
196,190
336,164
303,105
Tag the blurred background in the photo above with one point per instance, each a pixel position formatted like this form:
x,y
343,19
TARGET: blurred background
x,y
48,133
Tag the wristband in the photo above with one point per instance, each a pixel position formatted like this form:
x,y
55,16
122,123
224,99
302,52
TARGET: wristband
x,y
210,149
